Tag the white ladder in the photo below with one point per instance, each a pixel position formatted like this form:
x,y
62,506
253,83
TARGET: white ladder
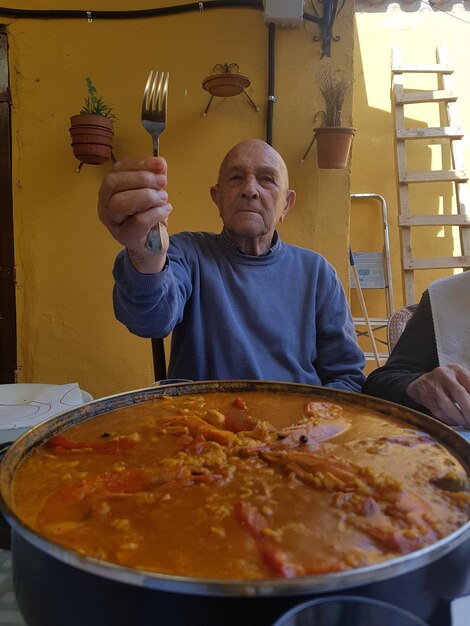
x,y
449,136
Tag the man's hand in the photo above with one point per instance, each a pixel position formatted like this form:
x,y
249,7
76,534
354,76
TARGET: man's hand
x,y
445,392
132,199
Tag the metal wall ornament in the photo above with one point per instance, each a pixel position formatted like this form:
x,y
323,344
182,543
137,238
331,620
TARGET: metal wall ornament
x,y
331,8
226,81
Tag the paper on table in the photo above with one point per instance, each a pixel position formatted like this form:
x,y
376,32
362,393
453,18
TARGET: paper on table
x,y
25,405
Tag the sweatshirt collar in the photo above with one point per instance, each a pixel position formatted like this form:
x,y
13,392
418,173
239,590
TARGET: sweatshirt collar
x,y
234,247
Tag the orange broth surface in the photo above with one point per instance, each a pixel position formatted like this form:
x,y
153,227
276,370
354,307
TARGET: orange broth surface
x,y
248,486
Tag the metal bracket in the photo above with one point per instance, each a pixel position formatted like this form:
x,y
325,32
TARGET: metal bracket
x,y
326,23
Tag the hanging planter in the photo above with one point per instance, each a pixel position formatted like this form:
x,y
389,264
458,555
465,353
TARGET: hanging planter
x,y
226,81
333,146
332,138
92,129
92,138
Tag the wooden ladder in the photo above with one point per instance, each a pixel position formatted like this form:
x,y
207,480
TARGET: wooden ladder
x,y
448,136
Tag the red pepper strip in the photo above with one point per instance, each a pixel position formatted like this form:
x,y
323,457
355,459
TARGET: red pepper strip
x,y
61,442
238,403
249,517
276,560
236,424
394,540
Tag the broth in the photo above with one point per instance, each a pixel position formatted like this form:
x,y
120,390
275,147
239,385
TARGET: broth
x,y
240,486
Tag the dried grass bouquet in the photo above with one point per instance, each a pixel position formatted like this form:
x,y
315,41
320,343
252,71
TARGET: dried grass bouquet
x,y
334,88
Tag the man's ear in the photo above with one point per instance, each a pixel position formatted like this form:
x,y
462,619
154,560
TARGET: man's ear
x,y
290,201
215,190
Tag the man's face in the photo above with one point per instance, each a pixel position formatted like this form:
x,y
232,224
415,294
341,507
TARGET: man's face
x,y
252,194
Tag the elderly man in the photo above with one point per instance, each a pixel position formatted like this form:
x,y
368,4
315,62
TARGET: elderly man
x,y
429,368
241,304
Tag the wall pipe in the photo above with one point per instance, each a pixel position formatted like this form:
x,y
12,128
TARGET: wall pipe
x,y
117,15
330,10
271,96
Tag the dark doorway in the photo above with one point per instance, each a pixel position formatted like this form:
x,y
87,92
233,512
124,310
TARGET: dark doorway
x,y
7,257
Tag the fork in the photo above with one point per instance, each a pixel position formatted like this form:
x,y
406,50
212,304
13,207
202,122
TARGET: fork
x,y
154,121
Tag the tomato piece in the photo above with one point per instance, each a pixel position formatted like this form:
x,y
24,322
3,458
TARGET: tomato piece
x,y
238,403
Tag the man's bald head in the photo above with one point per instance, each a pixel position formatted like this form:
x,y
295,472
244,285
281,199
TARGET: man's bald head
x,y
254,146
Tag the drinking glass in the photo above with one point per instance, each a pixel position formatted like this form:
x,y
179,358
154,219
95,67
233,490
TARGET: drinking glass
x,y
348,611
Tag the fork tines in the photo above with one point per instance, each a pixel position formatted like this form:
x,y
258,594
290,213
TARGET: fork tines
x,y
156,91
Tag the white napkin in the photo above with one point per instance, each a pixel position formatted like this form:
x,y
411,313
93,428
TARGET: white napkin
x,y
450,304
25,405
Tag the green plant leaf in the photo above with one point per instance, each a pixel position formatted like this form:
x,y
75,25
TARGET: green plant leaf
x,y
94,104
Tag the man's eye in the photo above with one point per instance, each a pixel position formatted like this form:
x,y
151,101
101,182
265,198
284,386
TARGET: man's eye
x,y
267,179
235,177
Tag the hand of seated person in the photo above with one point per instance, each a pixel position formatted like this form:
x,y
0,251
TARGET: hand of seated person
x,y
132,200
445,391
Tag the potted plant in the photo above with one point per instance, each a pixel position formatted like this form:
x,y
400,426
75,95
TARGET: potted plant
x,y
92,129
332,138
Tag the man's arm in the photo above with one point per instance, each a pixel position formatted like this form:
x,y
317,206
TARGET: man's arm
x,y
340,361
150,305
132,200
413,377
414,354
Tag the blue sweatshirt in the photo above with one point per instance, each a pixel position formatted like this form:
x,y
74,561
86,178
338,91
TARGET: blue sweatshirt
x,y
280,317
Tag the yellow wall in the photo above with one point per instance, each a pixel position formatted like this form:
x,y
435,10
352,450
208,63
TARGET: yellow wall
x,y
66,328
417,30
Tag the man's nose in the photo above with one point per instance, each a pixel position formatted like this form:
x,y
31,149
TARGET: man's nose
x,y
250,188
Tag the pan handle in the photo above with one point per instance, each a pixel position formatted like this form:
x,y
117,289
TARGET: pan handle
x,y
5,532
4,447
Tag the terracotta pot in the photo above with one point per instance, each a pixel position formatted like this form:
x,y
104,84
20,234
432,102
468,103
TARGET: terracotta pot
x,y
92,138
333,146
226,84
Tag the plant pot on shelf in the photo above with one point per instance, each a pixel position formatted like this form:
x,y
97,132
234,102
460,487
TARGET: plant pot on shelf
x,y
333,146
92,138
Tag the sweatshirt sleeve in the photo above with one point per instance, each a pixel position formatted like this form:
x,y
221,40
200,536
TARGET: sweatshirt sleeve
x,y
414,354
149,305
340,362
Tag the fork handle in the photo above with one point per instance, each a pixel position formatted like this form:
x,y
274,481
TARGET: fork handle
x,y
154,238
